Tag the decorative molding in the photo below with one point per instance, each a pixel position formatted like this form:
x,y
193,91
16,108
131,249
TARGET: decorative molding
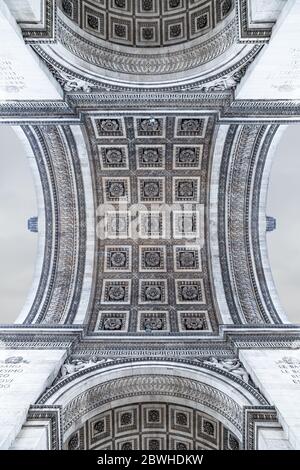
x,y
133,101
265,341
52,414
247,32
28,112
50,248
261,111
224,79
45,32
263,296
36,340
79,365
255,416
221,103
245,148
160,347
65,270
65,230
244,153
147,385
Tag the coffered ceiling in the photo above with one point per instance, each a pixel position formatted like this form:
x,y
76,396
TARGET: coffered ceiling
x,y
151,176
152,426
147,23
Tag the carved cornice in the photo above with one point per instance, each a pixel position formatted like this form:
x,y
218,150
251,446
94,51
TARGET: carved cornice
x,y
160,100
265,341
271,111
219,102
35,339
99,364
75,78
230,340
28,112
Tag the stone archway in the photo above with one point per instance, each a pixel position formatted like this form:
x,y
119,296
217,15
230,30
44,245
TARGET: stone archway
x,y
161,424
93,401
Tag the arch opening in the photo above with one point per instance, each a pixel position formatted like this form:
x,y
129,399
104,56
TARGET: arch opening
x,y
282,206
150,395
19,214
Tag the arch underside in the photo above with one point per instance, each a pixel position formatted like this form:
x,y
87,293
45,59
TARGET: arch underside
x,y
162,270
206,53
152,426
77,165
153,180
154,221
148,406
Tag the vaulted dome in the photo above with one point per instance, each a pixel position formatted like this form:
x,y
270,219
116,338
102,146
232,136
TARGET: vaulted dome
x,y
148,43
147,23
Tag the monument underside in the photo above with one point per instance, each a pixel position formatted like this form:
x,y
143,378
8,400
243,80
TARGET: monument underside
x,y
146,239
152,278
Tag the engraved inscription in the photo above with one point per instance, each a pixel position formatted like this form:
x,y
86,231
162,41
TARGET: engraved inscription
x,y
9,368
10,80
290,368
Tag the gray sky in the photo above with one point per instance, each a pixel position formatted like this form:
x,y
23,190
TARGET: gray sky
x,y
17,244
283,204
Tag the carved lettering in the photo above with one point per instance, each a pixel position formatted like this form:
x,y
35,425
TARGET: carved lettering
x,y
9,369
290,368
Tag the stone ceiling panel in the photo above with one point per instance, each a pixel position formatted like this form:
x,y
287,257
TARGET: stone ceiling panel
x,y
151,177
